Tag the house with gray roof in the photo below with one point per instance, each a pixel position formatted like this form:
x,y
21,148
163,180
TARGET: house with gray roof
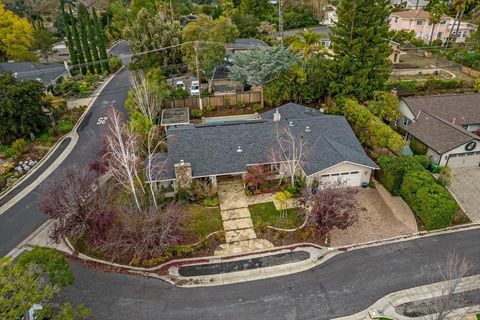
x,y
448,126
48,74
332,151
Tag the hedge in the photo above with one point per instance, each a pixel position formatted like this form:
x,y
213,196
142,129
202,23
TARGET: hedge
x,y
418,147
415,86
372,131
431,202
394,169
408,177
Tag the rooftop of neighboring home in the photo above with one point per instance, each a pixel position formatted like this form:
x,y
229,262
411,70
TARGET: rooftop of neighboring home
x,y
439,134
246,44
228,149
414,14
460,109
46,73
412,3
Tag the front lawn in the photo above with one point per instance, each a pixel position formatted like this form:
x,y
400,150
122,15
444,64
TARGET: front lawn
x,y
201,221
266,213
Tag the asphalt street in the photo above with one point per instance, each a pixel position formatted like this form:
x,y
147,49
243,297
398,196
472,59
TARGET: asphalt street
x,y
346,284
24,217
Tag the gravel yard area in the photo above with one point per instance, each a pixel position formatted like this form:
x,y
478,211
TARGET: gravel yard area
x,y
376,221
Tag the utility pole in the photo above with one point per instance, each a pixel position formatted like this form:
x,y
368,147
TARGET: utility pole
x,y
200,103
416,6
280,21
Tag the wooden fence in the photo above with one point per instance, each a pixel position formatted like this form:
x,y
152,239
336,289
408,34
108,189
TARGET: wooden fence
x,y
227,100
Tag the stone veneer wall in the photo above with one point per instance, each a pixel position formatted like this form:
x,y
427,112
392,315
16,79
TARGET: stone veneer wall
x,y
183,174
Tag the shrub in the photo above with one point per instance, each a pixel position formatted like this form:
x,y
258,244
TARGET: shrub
x,y
182,196
444,176
431,202
196,113
203,189
257,107
20,147
240,104
418,147
394,169
210,202
476,86
211,108
65,126
115,64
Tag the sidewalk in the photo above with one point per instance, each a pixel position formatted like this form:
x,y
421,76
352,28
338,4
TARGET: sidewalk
x,y
388,306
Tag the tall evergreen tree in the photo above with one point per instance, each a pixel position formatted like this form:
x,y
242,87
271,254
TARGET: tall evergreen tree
x,y
92,35
82,19
70,44
76,38
101,41
361,49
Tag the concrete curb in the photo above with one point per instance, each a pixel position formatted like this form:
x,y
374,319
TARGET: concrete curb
x,y
386,305
55,146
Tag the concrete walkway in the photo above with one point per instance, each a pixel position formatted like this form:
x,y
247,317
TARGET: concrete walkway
x,y
388,305
237,222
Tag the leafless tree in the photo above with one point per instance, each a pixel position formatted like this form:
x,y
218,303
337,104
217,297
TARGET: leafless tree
x,y
330,206
289,152
123,159
144,96
153,166
452,270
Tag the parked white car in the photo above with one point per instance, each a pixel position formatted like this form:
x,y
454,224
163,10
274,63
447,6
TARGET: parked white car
x,y
195,88
180,85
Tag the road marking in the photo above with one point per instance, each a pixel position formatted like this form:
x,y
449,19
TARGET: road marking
x,y
102,120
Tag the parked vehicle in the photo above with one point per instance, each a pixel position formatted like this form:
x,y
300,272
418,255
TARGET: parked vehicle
x,y
195,88
180,85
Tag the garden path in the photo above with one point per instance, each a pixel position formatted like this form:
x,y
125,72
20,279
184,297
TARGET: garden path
x,y
237,222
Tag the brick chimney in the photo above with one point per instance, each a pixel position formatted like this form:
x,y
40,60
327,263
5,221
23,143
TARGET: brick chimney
x,y
183,174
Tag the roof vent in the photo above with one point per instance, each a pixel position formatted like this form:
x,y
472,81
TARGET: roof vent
x,y
239,149
182,162
276,116
290,124
307,129
322,110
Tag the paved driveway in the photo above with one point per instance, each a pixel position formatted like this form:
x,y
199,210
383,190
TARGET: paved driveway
x,y
465,186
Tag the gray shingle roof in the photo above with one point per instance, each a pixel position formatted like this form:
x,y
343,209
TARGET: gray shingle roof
x,y
46,73
249,43
461,109
212,150
440,135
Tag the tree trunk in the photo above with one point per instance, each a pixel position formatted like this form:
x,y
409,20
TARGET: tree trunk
x,y
431,34
459,21
261,95
449,38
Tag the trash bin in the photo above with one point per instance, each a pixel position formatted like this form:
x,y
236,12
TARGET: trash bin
x,y
434,168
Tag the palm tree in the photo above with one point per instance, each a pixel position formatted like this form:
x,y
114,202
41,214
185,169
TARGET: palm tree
x,y
460,6
436,14
306,42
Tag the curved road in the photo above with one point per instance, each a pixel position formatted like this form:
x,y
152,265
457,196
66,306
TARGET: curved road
x,y
344,285
23,218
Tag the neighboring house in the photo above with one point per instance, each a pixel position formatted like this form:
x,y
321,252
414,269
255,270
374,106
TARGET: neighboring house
x,y
446,125
410,4
215,151
48,74
242,45
418,22
331,16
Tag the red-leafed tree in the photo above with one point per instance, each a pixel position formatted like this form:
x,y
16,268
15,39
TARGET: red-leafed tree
x,y
145,234
331,206
256,176
77,204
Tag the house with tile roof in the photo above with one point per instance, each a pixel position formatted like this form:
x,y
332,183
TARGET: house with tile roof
x,y
228,149
418,21
447,125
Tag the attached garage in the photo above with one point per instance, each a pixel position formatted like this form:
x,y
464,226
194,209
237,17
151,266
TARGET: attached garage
x,y
465,159
352,179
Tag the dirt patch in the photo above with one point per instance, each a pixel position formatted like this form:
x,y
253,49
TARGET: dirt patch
x,y
375,222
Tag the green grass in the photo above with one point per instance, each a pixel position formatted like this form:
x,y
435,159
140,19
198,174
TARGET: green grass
x,y
267,213
203,221
478,316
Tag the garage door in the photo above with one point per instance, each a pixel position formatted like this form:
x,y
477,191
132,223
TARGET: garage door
x,y
351,179
461,160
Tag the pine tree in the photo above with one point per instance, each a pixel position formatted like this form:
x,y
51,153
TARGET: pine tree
x,y
101,42
93,44
82,17
361,49
78,45
70,43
